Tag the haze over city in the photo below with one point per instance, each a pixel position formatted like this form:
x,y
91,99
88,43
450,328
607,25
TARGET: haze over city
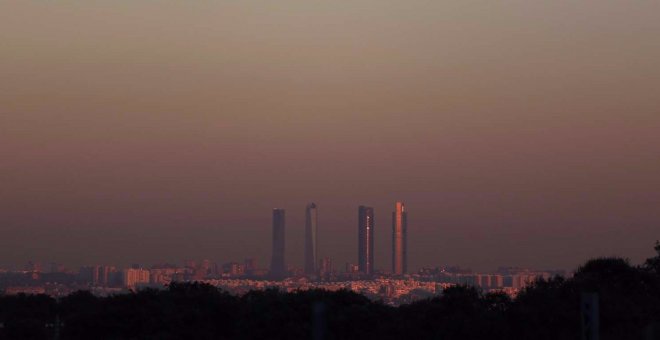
x,y
517,133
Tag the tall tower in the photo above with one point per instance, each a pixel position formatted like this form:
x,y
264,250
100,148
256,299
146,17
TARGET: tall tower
x,y
277,267
366,239
399,239
311,230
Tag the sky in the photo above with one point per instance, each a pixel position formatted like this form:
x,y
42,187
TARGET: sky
x,y
522,133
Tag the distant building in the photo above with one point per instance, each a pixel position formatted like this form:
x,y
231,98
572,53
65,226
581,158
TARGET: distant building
x,y
485,281
512,281
352,268
91,275
199,274
134,277
366,239
496,281
57,268
109,276
250,266
294,271
234,269
465,279
34,267
325,267
207,267
311,234
277,265
104,275
399,239
159,276
477,281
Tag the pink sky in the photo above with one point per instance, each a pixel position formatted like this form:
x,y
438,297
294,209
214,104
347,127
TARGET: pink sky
x,y
516,132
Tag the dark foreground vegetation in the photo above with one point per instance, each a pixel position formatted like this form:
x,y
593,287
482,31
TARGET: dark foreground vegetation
x,y
550,309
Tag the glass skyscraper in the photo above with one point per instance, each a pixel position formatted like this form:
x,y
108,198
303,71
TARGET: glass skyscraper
x,y
311,230
366,240
399,239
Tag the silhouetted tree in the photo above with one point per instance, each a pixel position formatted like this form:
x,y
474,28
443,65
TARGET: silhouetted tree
x,y
191,310
26,316
629,297
653,263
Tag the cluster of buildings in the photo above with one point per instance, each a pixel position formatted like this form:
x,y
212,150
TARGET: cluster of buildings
x,y
397,290
365,261
240,278
104,280
395,287
393,291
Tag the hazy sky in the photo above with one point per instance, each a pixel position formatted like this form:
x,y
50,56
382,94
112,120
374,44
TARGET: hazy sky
x,y
517,132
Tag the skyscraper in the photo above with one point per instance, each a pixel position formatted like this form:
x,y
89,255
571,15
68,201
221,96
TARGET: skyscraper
x,y
277,266
399,239
311,229
366,239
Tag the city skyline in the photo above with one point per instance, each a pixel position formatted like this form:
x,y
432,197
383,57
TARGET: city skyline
x,y
278,248
311,262
521,132
239,278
